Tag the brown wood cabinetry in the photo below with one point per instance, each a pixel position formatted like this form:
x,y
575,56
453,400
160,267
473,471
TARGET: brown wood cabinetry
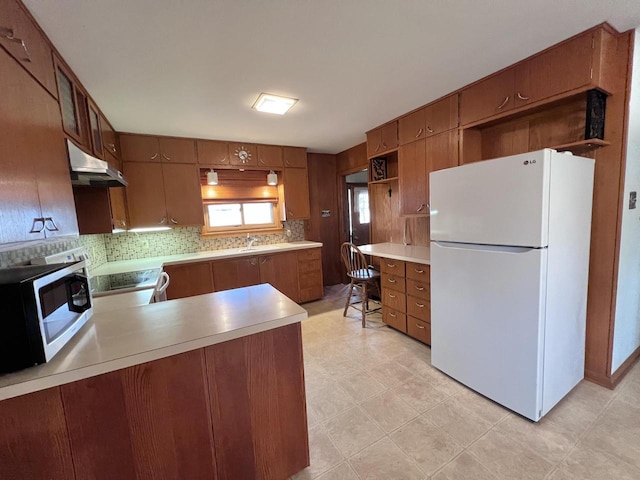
x,y
572,66
406,298
435,118
296,194
110,144
189,279
236,273
243,154
256,385
295,157
487,97
182,193
33,438
35,167
163,194
146,148
23,41
281,271
310,274
153,418
297,274
270,156
413,178
214,153
382,139
415,161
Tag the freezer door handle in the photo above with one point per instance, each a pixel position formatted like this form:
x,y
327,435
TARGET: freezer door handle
x,y
488,248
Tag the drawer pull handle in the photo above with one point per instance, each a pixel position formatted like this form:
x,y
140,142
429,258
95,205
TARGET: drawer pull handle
x,y
418,271
520,97
392,296
154,156
392,315
421,305
420,289
419,133
504,102
420,326
391,265
36,221
166,157
429,129
174,221
392,280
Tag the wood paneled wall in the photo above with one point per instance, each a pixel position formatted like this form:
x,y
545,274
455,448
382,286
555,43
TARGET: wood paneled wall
x,y
352,160
323,195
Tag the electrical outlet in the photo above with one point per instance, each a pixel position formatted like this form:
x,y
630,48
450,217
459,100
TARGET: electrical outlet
x,y
288,233
633,198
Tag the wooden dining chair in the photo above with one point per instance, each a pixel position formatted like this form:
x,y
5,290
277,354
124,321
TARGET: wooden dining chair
x,y
362,277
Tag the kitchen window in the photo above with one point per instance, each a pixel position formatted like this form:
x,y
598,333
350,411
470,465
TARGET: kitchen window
x,y
241,202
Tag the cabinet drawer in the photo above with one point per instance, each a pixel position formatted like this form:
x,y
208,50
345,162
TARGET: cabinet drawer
x,y
419,308
394,300
418,271
395,267
419,330
418,288
311,254
393,282
394,318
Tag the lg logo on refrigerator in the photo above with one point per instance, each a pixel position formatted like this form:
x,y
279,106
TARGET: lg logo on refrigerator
x,y
529,162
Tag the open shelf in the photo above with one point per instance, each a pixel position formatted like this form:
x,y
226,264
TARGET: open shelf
x,y
384,180
581,146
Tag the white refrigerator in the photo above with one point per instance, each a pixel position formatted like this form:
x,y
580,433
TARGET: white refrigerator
x,y
509,266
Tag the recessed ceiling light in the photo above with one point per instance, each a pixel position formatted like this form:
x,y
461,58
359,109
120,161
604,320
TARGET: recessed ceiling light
x,y
270,103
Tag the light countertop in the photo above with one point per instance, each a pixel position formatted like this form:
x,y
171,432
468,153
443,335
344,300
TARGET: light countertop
x,y
124,266
118,301
120,338
398,251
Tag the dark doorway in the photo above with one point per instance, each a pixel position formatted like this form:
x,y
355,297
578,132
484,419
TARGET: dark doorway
x,y
358,214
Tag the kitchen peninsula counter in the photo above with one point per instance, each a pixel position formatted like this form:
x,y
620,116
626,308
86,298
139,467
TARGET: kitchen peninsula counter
x,y
120,338
203,387
398,251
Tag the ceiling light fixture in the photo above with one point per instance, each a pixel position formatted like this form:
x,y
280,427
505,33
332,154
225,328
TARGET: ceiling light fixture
x,y
212,177
270,103
272,178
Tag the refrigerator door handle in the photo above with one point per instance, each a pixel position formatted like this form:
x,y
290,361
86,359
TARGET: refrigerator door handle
x,y
488,248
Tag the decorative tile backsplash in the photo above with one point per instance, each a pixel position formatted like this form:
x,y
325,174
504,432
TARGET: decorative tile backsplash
x,y
127,246
21,254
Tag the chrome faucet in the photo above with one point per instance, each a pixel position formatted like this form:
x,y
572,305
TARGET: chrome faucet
x,y
251,241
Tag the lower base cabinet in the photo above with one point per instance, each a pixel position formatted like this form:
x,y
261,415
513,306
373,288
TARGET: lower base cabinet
x,y
297,274
229,411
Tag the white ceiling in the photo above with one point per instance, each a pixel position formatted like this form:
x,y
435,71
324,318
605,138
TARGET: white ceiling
x,y
194,67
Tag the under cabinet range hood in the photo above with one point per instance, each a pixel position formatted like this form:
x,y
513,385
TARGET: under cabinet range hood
x,y
88,170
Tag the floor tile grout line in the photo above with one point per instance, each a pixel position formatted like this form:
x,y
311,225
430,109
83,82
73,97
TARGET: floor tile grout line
x,y
583,434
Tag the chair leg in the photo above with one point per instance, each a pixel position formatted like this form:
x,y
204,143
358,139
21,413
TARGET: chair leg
x,y
346,307
365,302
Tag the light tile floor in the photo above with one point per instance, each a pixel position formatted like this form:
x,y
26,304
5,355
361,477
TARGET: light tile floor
x,y
378,410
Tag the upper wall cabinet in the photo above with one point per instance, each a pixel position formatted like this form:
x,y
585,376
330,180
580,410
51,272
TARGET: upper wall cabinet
x,y
295,157
24,42
110,143
574,65
270,156
382,139
213,153
430,120
145,148
36,200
